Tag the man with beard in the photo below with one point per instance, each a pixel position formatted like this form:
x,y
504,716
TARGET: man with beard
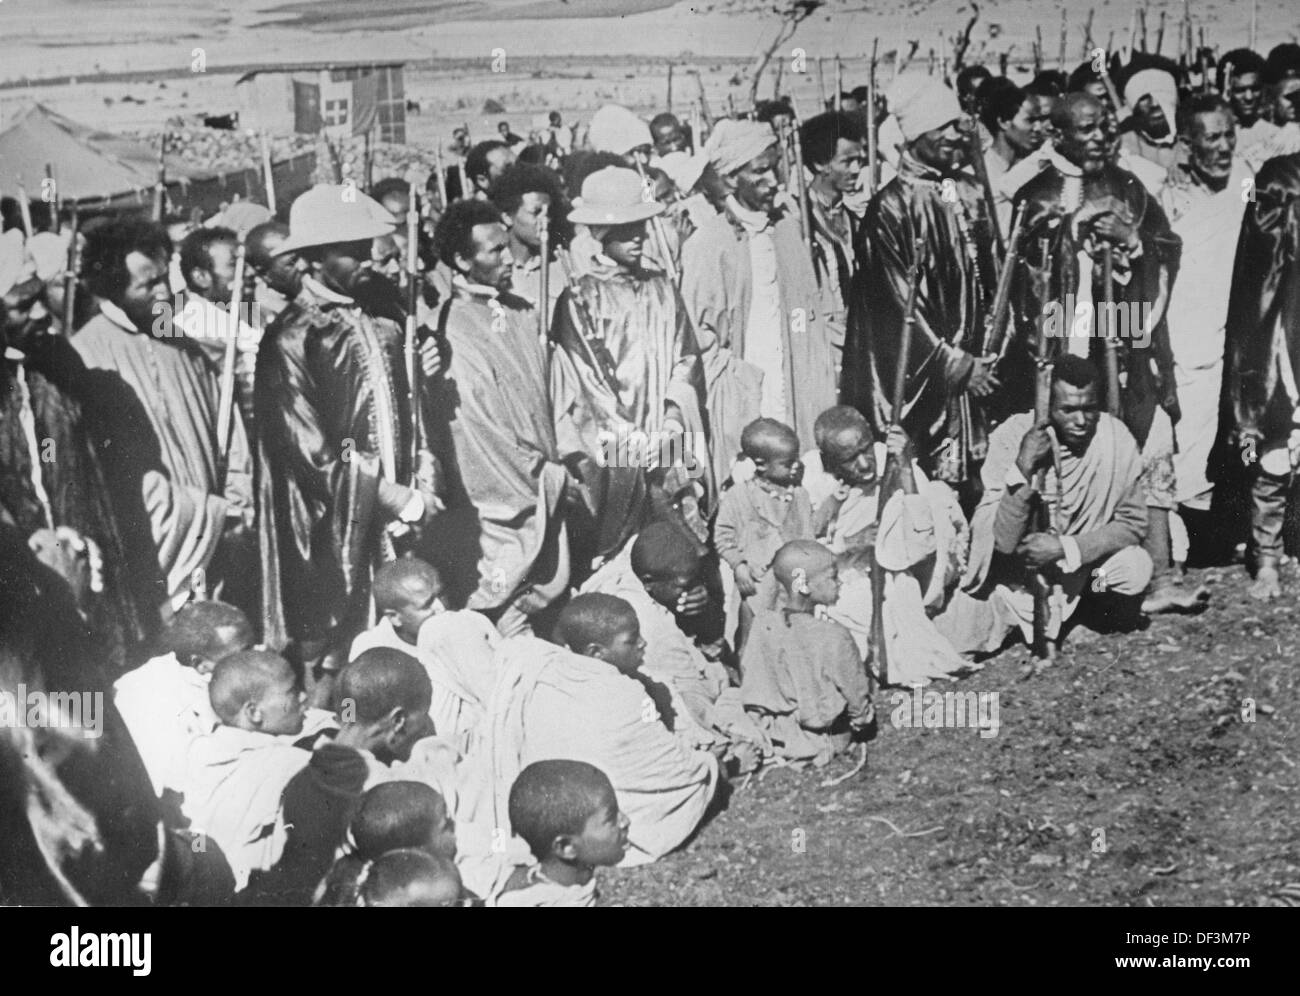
x,y
1074,210
1204,204
751,292
932,200
51,483
1262,356
152,398
1153,95
832,149
502,544
1241,81
334,428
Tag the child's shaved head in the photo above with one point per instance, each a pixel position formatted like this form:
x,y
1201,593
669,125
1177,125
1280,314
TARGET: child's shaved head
x,y
663,551
256,689
592,618
396,815
383,679
411,878
765,438
807,556
556,798
401,581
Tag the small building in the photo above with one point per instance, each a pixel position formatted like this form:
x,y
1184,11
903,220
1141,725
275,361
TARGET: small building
x,y
266,95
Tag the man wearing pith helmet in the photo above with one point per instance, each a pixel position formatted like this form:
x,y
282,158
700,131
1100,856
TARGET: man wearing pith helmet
x,y
338,487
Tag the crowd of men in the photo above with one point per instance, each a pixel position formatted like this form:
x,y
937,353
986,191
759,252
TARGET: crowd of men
x,y
452,540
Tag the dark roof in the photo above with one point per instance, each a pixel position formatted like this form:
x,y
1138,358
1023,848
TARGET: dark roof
x,y
308,67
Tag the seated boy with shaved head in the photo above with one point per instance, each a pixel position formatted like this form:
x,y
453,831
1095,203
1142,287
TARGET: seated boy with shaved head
x,y
164,701
661,579
383,700
392,816
568,812
233,777
755,517
805,680
454,647
410,878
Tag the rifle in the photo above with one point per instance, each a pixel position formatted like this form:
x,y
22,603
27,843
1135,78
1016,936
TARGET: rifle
x,y
602,364
226,398
982,175
801,186
70,277
1044,646
413,371
996,340
1112,355
893,472
544,296
873,151
658,234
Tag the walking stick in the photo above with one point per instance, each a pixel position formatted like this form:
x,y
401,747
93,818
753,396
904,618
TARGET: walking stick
x,y
413,372
226,397
894,471
1112,356
544,296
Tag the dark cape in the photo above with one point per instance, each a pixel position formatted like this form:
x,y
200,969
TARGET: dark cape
x,y
1047,276
1264,307
325,375
955,289
122,616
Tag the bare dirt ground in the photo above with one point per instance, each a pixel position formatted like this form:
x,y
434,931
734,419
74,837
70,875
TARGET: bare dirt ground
x,y
1136,737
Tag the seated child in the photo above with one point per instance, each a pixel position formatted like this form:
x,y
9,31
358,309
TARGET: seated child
x,y
455,648
568,813
805,680
756,516
922,547
409,878
164,701
392,816
233,777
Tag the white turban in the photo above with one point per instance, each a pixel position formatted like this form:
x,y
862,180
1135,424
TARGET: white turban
x,y
922,104
733,144
1161,88
616,129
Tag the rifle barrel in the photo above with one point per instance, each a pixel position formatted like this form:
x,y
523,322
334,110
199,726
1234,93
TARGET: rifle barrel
x,y
995,339
226,397
1112,356
413,371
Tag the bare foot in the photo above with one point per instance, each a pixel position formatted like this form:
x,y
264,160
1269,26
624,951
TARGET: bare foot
x,y
1267,584
1173,597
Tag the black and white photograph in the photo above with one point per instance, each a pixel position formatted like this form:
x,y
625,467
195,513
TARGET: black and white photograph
x,y
598,453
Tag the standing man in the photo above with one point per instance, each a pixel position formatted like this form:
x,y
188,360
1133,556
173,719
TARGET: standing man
x,y
750,289
832,149
524,194
484,166
1204,204
1082,204
152,398
1241,80
501,545
932,198
334,428
1263,357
